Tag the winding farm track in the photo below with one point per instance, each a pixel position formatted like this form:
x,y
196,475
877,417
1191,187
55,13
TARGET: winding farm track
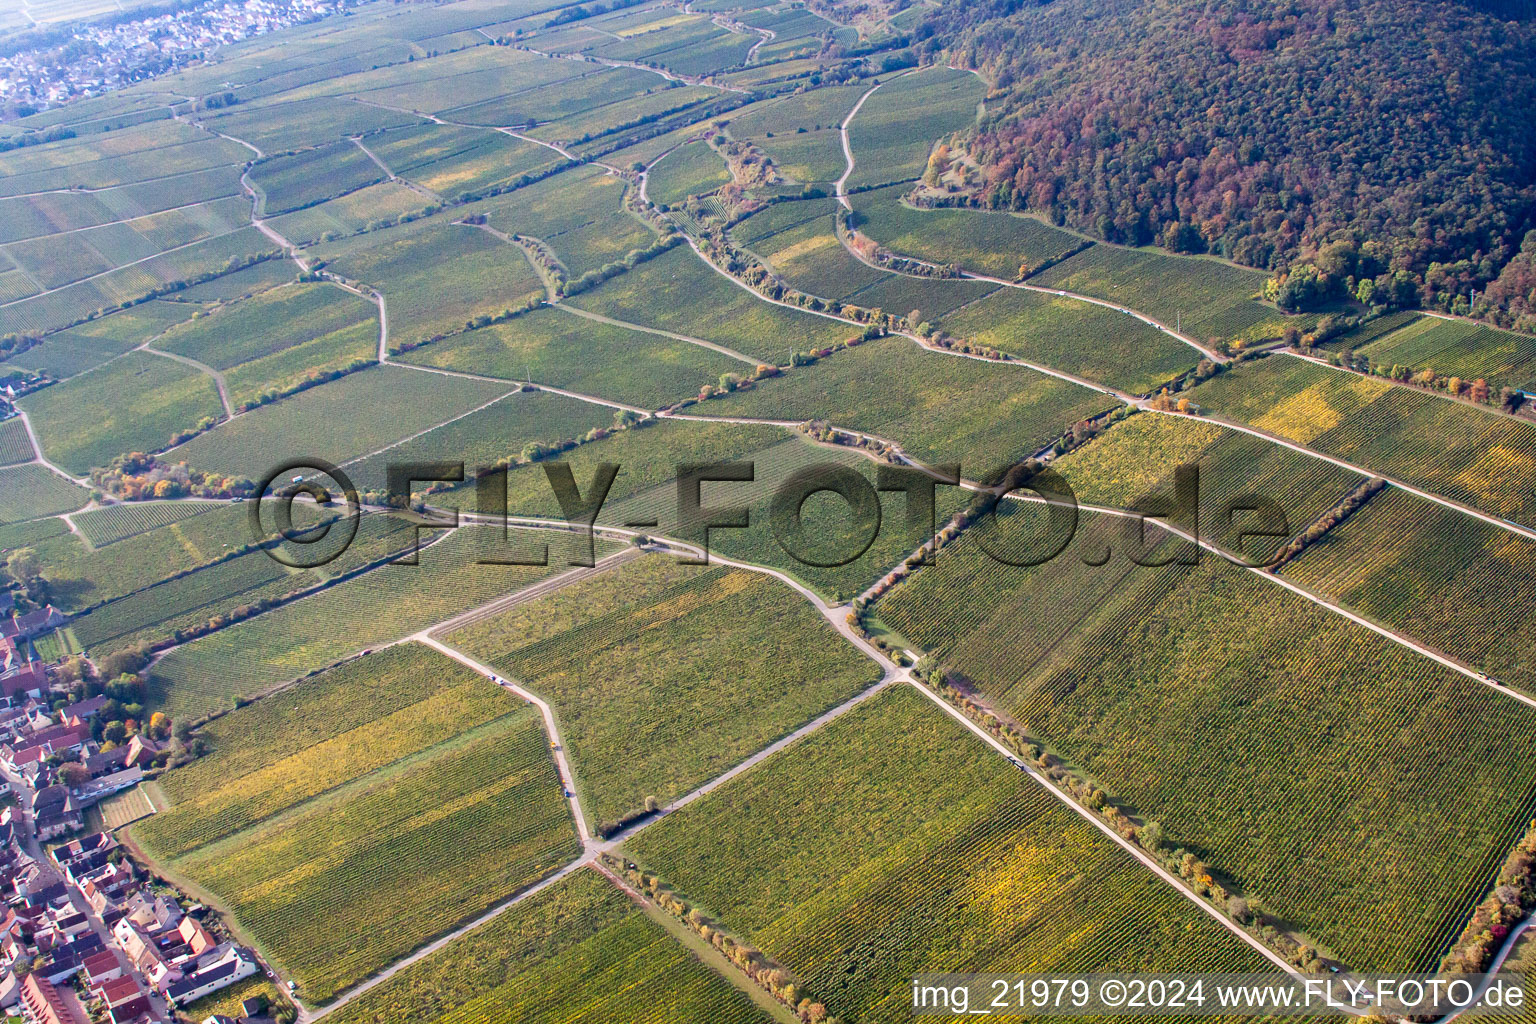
x,y
842,198
671,76
841,185
1444,396
1242,428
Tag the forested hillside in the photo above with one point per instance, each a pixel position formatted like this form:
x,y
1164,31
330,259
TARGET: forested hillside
x,y
1263,130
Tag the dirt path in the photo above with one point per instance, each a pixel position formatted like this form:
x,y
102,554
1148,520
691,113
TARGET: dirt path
x,y
308,1014
842,197
671,76
1283,442
420,190
1321,601
1444,396
41,459
712,346
218,378
1209,353
842,129
557,744
124,266
422,433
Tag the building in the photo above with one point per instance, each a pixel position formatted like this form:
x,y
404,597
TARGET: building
x,y
68,960
25,627
100,968
55,812
99,789
23,681
195,936
85,709
125,1000
45,1004
141,751
219,969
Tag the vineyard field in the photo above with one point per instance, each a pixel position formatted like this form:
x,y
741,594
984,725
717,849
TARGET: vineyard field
x,y
996,244
134,404
664,675
1447,579
499,431
242,283
277,339
556,347
91,344
578,213
104,526
452,832
1074,337
435,276
1163,684
15,445
810,156
1450,448
351,720
897,390
647,458
266,324
1137,457
832,533
1458,348
31,490
349,214
79,576
453,161
814,110
337,421
900,123
287,125
1204,298
310,634
156,612
1373,329
877,848
313,176
568,953
107,159
679,292
690,170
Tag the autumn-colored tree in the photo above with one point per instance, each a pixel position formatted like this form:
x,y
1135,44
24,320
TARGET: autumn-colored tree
x,y
74,774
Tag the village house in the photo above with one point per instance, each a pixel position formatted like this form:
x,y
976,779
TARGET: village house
x,y
142,752
23,680
84,855
64,962
125,999
105,890
55,812
37,884
31,624
219,968
84,709
100,968
46,1004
